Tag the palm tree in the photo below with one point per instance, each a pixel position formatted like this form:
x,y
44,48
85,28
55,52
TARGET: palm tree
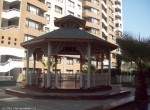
x,y
45,63
138,51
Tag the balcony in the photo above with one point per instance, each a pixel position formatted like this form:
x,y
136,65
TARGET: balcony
x,y
12,0
118,14
111,40
11,13
104,4
34,32
90,24
104,22
9,27
39,4
37,18
118,29
88,13
118,21
90,4
104,13
104,31
117,6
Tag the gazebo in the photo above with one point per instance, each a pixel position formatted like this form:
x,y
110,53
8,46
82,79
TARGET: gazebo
x,y
69,39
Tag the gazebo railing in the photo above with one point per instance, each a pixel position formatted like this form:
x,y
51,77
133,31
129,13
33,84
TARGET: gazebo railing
x,y
68,81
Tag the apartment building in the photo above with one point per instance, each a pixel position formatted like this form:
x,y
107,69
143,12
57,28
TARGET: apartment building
x,y
22,20
104,19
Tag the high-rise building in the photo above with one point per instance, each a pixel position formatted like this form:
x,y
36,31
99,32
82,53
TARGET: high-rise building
x,y
22,20
104,19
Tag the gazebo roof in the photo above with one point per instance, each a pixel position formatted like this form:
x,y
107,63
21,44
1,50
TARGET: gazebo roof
x,y
69,34
70,21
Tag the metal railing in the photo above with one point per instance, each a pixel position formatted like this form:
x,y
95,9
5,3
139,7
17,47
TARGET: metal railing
x,y
13,9
6,78
8,27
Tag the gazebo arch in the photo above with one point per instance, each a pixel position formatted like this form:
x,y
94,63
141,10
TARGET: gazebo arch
x,y
69,36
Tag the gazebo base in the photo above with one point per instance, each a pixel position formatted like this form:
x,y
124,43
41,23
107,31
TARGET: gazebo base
x,y
66,90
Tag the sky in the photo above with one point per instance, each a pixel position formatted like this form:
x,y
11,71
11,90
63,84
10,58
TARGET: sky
x,y
136,17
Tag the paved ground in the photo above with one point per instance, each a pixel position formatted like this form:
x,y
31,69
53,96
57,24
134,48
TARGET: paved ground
x,y
8,102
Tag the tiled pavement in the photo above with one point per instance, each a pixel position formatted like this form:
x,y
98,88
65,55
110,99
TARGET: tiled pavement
x,y
8,102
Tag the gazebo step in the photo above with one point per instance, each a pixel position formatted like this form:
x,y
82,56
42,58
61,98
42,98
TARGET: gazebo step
x,y
68,96
63,90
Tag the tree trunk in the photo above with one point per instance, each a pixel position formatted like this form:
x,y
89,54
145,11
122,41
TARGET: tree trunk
x,y
141,95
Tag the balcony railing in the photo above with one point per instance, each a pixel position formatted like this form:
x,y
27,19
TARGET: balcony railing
x,y
39,14
8,27
13,9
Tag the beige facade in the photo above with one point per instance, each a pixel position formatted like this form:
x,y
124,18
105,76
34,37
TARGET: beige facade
x,y
22,20
102,20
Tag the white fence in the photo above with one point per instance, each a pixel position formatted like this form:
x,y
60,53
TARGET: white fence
x,y
125,78
70,81
6,78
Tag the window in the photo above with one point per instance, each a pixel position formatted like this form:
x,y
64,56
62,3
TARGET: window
x,y
110,2
79,6
2,42
93,62
95,11
48,4
9,38
28,37
57,70
69,71
110,28
2,37
78,16
15,39
47,16
47,29
33,24
55,18
33,9
70,13
111,19
58,60
117,25
111,11
60,1
112,37
9,43
95,2
15,43
113,55
94,31
69,61
71,3
94,20
58,9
